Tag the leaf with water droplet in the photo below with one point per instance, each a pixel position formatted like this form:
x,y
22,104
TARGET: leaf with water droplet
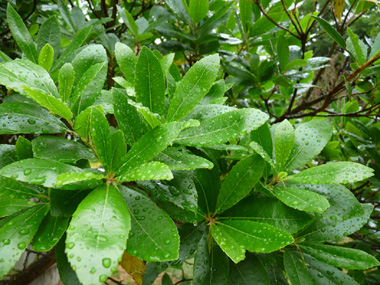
x,y
49,232
66,272
9,206
148,241
153,170
237,236
46,57
97,235
296,270
283,143
16,233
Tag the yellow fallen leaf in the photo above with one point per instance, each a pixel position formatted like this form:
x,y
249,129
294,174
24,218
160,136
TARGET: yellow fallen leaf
x,y
135,267
338,9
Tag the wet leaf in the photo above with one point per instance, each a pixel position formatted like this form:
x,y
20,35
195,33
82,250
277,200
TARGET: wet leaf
x,y
154,236
23,148
283,143
66,77
97,234
7,154
79,181
9,206
50,33
46,57
148,171
295,269
126,59
249,271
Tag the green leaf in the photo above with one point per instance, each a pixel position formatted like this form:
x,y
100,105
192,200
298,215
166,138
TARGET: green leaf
x,y
282,52
375,47
46,57
180,9
270,211
22,118
23,148
82,123
338,256
97,235
180,159
9,188
37,171
193,87
152,119
310,139
301,199
79,181
21,34
50,33
66,81
260,151
128,20
16,234
190,236
235,237
148,171
7,154
240,181
66,273
101,138
166,280
154,236
331,31
71,49
64,203
49,232
17,73
210,263
128,118
356,47
166,62
298,62
249,271
150,82
9,206
180,191
341,172
118,149
222,128
245,14
198,10
127,60
344,216
149,145
55,105
283,143
296,271
66,14
322,273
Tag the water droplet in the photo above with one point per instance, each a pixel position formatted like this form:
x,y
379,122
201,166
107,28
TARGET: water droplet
x,y
21,245
24,231
70,245
93,270
6,241
103,278
106,262
27,171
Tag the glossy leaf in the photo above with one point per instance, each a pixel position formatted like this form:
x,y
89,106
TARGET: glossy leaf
x,y
310,139
240,181
71,48
341,172
16,234
153,237
7,154
193,87
148,171
245,7
21,72
152,120
210,263
198,10
222,128
249,271
283,143
235,237
79,181
126,59
66,14
9,206
55,105
82,124
60,149
149,82
282,52
322,272
50,33
270,211
300,199
261,151
49,232
97,235
149,145
331,31
343,257
179,9
23,148
66,77
297,272
64,203
37,171
128,20
180,159
127,117
46,57
190,236
118,149
9,188
101,138
21,34
16,118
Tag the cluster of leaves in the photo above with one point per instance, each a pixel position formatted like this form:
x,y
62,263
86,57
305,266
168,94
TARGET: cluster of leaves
x,y
155,167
